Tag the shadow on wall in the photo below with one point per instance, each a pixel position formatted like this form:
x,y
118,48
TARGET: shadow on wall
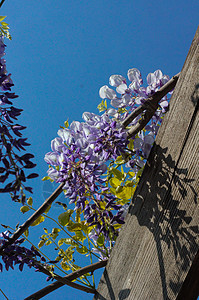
x,y
123,294
156,207
162,215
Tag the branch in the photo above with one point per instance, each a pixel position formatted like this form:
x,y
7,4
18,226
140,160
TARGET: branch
x,y
151,105
52,287
34,217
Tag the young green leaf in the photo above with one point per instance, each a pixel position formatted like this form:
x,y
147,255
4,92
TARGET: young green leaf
x,y
24,209
39,220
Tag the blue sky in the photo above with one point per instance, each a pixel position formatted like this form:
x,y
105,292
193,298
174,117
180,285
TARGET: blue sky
x,y
62,52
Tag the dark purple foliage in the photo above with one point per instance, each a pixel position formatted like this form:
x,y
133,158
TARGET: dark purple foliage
x,y
12,164
15,254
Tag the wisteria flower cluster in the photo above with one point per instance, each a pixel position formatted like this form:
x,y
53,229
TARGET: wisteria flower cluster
x,y
87,155
11,140
19,255
79,159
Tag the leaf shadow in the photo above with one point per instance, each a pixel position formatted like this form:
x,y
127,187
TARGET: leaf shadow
x,y
162,213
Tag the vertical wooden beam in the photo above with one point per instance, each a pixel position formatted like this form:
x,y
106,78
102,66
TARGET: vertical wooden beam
x,y
157,244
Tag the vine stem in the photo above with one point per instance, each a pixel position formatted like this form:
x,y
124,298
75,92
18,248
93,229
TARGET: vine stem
x,y
150,105
52,287
4,294
81,244
34,217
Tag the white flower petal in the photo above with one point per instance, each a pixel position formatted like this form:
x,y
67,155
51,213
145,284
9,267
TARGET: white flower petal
x,y
158,74
134,86
121,88
111,112
126,99
116,80
56,144
76,126
66,136
151,79
116,103
106,92
87,116
53,174
51,158
134,75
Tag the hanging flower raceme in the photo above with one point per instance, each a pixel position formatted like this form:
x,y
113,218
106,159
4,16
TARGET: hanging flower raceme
x,y
11,140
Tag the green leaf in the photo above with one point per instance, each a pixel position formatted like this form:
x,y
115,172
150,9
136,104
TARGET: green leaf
x,y
65,266
119,189
126,193
30,201
74,227
55,230
82,250
4,24
117,174
66,124
66,241
131,144
2,18
65,217
86,228
119,160
113,191
132,174
78,218
79,236
48,242
24,209
47,178
39,220
100,240
26,232
41,243
139,173
114,182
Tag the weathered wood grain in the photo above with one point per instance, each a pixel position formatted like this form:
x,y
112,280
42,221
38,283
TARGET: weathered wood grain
x,y
160,238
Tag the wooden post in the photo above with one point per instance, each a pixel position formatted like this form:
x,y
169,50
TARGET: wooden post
x,y
158,243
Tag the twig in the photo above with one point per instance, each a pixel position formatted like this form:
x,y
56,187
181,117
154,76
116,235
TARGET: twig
x,y
34,217
151,104
52,287
63,281
4,294
2,2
